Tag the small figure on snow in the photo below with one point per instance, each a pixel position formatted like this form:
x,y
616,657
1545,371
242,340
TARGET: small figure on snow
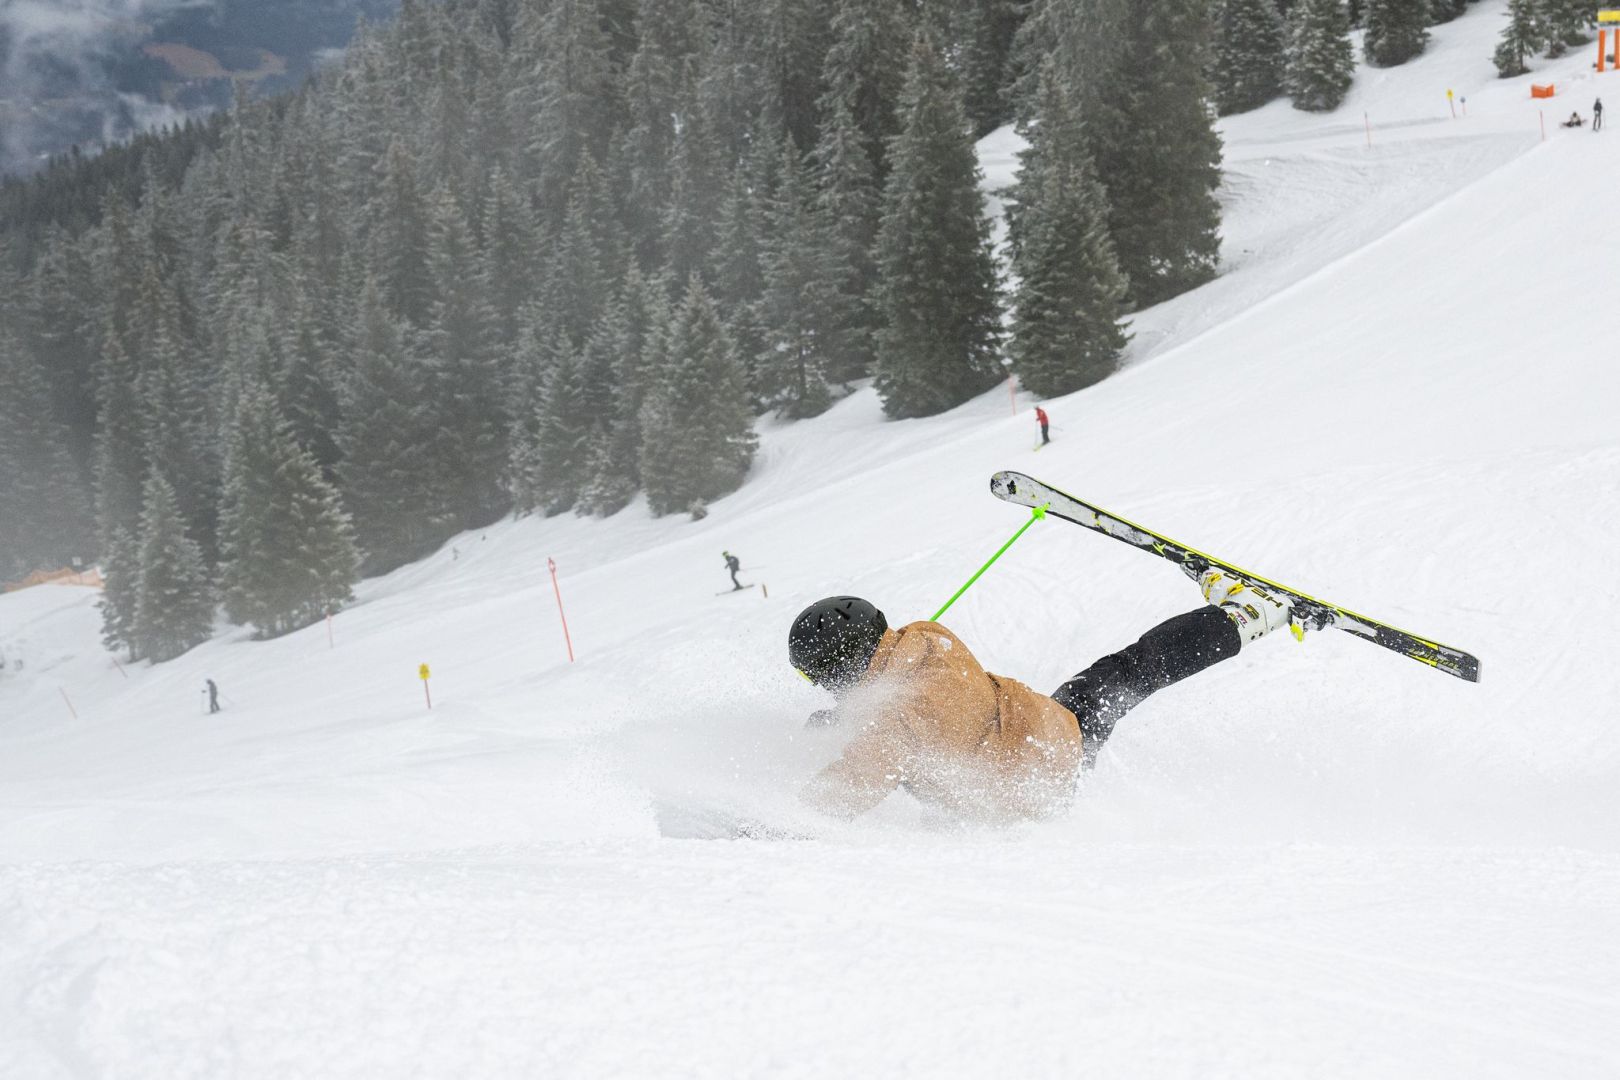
x,y
212,691
928,718
1575,120
1042,419
1597,114
733,565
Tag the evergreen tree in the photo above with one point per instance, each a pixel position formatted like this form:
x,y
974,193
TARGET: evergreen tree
x,y
986,29
1249,55
288,547
120,446
121,580
1566,23
1441,11
1321,60
389,472
574,97
1522,36
1066,330
1397,30
44,515
865,71
609,471
848,195
1158,155
804,314
697,432
174,603
464,398
397,254
936,290
551,468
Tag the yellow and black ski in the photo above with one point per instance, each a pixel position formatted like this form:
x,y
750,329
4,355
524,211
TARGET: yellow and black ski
x,y
1024,490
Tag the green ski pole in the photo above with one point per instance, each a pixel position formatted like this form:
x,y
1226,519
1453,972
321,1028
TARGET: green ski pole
x,y
1035,514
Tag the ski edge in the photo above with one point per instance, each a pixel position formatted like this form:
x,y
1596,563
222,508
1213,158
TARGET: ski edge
x,y
1446,658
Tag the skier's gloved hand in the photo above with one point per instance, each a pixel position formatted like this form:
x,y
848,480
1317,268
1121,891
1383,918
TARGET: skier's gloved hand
x,y
822,718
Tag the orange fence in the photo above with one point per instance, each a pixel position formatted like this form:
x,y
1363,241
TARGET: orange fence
x,y
1538,90
64,576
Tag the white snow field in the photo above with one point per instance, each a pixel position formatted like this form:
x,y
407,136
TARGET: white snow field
x,y
1317,859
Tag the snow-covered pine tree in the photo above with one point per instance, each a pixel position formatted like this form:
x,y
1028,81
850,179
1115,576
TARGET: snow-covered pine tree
x,y
389,471
121,581
574,97
120,450
1397,30
397,253
1066,332
174,601
609,472
465,398
1442,11
804,314
44,515
1158,155
288,553
1566,23
1522,36
178,445
739,273
936,291
698,436
696,189
865,69
847,193
1321,60
563,431
1249,55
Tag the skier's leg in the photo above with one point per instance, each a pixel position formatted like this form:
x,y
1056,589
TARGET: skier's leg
x,y
1168,653
735,584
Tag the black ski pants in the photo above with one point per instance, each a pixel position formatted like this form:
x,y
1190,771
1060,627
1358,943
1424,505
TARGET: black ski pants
x,y
1168,653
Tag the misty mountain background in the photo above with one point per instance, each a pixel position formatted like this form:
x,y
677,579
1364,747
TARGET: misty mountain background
x,y
93,72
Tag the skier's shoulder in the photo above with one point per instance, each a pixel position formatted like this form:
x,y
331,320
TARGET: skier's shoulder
x,y
924,638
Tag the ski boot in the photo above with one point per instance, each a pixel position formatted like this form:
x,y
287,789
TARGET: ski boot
x,y
1253,609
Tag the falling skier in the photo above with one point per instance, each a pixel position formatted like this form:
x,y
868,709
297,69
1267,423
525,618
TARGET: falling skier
x,y
733,565
1041,419
928,718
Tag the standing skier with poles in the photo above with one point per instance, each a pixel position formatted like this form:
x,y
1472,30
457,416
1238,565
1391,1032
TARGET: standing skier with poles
x,y
1042,419
733,565
1597,114
928,718
212,690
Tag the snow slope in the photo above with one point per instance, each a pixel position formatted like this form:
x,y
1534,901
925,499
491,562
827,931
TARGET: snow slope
x,y
1315,859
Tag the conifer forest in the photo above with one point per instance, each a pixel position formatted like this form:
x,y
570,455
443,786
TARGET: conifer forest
x,y
549,256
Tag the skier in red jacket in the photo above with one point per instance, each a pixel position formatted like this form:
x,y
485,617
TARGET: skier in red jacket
x,y
1041,419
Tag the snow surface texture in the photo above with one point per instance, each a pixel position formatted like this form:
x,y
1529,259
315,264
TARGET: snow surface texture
x,y
1316,859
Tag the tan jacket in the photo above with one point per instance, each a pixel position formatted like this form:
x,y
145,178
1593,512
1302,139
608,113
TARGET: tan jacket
x,y
931,719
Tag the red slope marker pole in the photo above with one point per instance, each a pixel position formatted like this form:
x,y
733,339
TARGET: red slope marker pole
x,y
551,564
69,701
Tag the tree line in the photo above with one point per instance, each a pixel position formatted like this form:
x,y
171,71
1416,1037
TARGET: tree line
x,y
549,255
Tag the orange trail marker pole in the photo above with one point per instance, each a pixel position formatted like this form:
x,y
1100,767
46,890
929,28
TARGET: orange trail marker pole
x,y
1368,121
1543,114
422,671
551,564
1012,396
330,644
69,701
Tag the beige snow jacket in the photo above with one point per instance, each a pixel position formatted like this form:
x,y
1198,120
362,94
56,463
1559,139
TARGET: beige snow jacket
x,y
932,720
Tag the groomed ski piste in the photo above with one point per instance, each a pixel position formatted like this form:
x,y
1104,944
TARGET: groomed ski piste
x,y
1317,859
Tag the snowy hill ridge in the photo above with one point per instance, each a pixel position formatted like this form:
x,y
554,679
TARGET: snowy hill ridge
x,y
1315,859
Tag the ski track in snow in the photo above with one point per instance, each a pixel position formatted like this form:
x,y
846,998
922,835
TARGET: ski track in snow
x,y
1316,859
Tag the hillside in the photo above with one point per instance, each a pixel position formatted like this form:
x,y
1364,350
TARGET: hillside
x,y
1316,859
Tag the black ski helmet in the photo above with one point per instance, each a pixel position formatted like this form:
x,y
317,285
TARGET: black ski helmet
x,y
832,640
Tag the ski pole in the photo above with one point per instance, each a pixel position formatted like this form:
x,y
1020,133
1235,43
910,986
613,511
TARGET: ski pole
x,y
1035,514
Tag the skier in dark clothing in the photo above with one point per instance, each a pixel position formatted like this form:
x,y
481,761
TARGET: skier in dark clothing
x,y
733,565
213,696
1041,419
1597,114
928,718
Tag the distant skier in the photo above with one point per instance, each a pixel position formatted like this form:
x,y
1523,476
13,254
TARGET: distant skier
x,y
213,697
928,718
1042,419
733,565
1597,114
